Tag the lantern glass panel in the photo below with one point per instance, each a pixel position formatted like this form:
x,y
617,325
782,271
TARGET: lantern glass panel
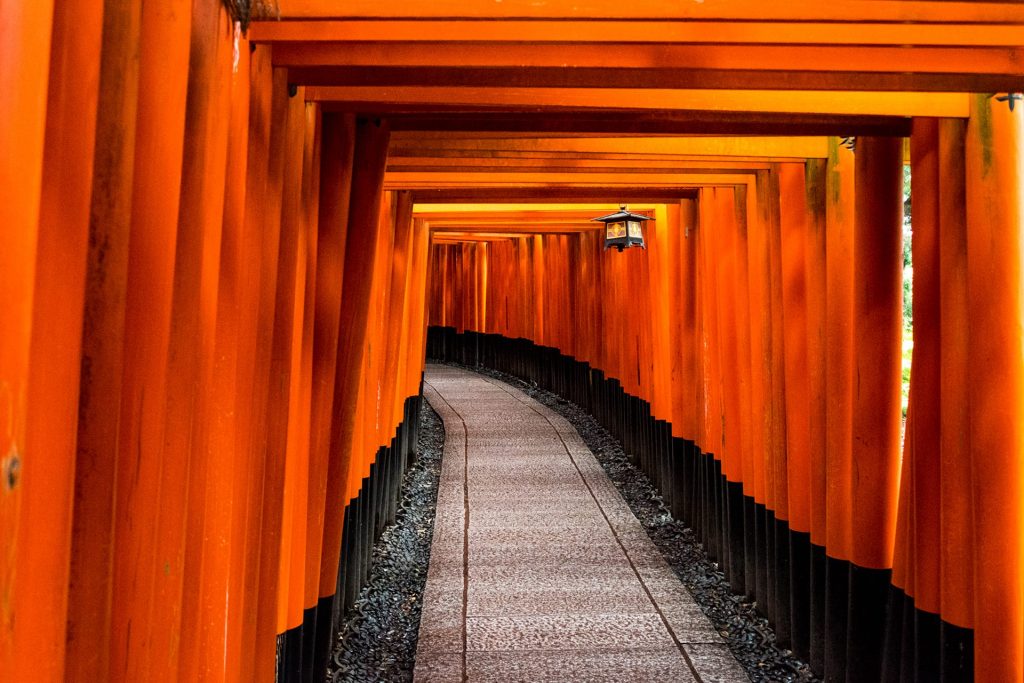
x,y
634,230
615,230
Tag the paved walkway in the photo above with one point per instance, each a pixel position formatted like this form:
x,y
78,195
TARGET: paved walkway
x,y
539,571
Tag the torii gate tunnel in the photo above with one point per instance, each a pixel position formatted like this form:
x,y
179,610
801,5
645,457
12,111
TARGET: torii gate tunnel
x,y
230,235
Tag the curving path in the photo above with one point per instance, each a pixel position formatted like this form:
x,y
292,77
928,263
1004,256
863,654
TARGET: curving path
x,y
539,571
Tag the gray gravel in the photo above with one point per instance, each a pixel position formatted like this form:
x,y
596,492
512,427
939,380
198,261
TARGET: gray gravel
x,y
378,640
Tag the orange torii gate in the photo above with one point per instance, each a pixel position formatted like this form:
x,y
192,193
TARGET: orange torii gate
x,y
213,282
788,292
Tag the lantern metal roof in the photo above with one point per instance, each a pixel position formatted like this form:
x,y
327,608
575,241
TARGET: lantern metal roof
x,y
622,215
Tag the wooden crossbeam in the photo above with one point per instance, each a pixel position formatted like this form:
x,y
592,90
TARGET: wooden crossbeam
x,y
398,163
932,11
660,75
846,58
455,239
753,147
626,122
640,99
515,230
554,194
487,222
414,181
522,212
700,32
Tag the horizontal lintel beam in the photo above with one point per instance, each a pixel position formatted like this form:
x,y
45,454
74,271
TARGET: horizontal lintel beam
x,y
931,11
556,194
701,32
678,58
763,101
658,75
753,147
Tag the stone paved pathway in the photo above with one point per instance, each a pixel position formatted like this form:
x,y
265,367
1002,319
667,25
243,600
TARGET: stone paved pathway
x,y
539,571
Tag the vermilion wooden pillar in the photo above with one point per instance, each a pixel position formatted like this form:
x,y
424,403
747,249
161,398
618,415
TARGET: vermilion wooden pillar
x,y
702,278
768,345
878,320
94,572
46,473
418,303
815,259
747,410
296,475
236,317
185,459
394,389
282,401
154,211
916,557
957,480
369,158
374,383
302,204
536,281
214,92
839,226
403,387
730,448
715,206
794,319
796,541
260,283
271,363
778,588
338,142
435,295
759,330
368,423
24,67
995,288
307,476
736,424
660,233
931,611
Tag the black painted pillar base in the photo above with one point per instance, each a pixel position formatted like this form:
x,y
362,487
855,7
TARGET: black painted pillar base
x,y
869,593
816,656
837,589
289,656
322,638
308,643
800,593
303,652
749,547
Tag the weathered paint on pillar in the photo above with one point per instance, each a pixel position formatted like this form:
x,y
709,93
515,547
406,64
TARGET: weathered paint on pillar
x,y
839,241
338,142
995,287
957,506
25,34
260,283
47,471
878,323
370,155
101,428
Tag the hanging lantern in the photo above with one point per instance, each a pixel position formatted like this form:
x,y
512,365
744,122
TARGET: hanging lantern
x,y
623,229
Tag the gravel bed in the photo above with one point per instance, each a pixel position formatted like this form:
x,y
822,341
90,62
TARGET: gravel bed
x,y
747,633
378,640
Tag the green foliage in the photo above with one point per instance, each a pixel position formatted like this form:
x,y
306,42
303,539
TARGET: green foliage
x,y
908,263
908,290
